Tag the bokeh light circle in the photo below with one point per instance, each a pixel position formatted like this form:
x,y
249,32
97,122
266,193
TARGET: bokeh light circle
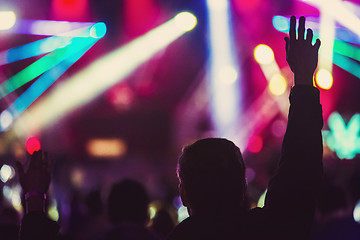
x,y
185,21
263,54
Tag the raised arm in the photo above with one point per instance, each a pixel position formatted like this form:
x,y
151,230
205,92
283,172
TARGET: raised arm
x,y
35,183
292,191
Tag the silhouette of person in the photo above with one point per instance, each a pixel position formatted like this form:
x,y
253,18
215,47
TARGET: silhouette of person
x,y
35,183
162,223
211,171
128,211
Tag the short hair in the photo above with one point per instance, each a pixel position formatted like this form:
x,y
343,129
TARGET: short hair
x,y
128,202
212,172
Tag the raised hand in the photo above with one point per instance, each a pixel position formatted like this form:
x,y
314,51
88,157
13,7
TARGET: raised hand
x,y
38,176
301,55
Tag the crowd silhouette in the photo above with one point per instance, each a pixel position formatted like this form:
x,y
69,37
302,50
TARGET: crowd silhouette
x,y
212,184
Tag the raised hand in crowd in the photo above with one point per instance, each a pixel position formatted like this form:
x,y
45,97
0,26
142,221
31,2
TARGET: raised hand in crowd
x,y
36,180
301,54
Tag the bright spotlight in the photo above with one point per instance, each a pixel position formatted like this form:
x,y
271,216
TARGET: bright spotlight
x,y
185,21
7,20
277,85
264,54
324,79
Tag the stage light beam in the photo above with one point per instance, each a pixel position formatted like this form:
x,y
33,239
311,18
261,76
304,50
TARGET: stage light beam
x,y
327,36
347,64
42,65
277,85
224,76
339,12
52,28
96,78
50,44
217,5
228,74
39,87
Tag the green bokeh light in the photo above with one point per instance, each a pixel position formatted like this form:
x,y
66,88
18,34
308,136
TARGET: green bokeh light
x,y
344,139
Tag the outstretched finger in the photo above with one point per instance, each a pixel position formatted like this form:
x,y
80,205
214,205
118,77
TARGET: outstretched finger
x,y
292,31
309,36
317,45
301,29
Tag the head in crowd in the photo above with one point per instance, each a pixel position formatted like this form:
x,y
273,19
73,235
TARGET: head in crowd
x,y
128,202
211,173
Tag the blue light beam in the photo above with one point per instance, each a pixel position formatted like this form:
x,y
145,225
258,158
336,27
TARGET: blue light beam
x,y
45,81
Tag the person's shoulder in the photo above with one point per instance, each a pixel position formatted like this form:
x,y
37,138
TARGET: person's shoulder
x,y
183,230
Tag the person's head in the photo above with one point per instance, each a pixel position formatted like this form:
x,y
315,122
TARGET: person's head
x,y
211,173
128,202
